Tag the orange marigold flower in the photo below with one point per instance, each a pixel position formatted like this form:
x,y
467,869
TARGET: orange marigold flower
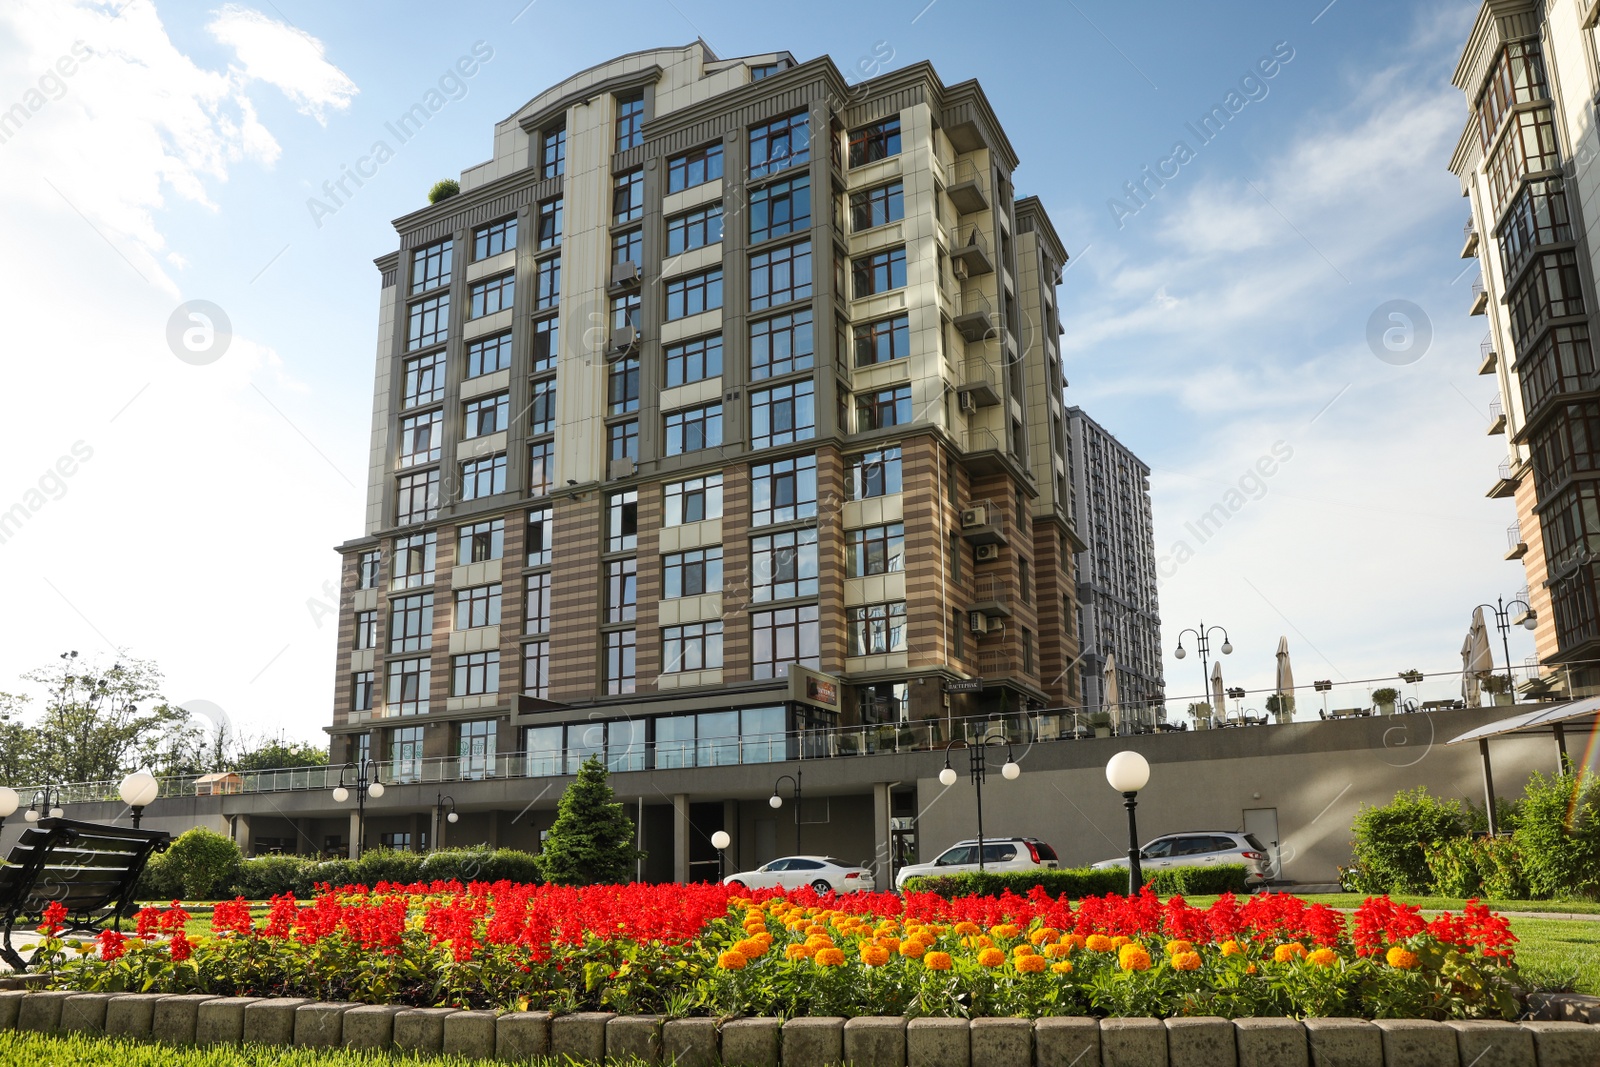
x,y
1324,957
1043,934
1179,945
1030,964
1057,951
1285,953
874,955
819,941
1133,957
1250,969
966,928
830,957
798,952
1231,947
1073,940
1006,930
889,942
1098,943
991,957
815,928
937,961
1186,961
751,948
912,949
732,961
1402,959
1118,941
1062,967
1022,950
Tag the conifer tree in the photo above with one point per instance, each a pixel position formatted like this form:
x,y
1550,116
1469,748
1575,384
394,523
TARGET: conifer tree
x,y
592,839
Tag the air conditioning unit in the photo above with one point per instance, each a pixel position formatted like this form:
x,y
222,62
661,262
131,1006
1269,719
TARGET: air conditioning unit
x,y
987,553
969,403
623,274
978,622
958,267
977,516
625,338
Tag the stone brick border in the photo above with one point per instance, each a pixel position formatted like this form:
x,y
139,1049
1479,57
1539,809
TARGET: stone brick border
x,y
820,1041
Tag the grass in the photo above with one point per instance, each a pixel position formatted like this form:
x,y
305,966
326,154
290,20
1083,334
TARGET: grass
x,y
1559,955
76,1050
1353,900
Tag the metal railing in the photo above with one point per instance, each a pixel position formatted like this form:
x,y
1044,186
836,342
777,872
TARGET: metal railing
x,y
1469,229
1505,470
1513,536
980,439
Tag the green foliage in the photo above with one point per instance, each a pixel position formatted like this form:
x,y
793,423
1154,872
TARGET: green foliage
x,y
592,839
443,190
266,877
1477,867
481,865
1391,841
1199,881
269,876
275,755
203,863
1281,702
1385,695
158,881
1084,882
1558,834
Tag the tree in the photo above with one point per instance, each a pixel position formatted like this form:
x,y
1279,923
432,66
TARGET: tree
x,y
275,755
99,723
592,839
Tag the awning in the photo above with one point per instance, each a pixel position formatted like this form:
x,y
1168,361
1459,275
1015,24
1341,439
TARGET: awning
x,y
1532,721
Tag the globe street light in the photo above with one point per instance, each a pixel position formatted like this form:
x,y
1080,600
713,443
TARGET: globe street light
x,y
1502,622
1129,772
137,791
720,841
443,806
8,803
1202,640
979,771
775,802
42,804
366,784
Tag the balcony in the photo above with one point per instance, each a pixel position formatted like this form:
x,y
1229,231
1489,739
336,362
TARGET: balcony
x,y
983,523
980,380
1469,240
992,597
968,188
976,321
1480,298
1497,417
1487,357
971,259
1517,546
982,452
998,663
1505,486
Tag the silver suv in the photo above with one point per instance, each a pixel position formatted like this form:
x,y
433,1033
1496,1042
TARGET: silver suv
x,y
1202,848
999,854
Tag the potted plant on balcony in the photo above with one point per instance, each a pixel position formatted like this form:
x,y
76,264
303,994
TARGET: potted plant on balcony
x,y
1201,710
1500,686
1383,698
1281,706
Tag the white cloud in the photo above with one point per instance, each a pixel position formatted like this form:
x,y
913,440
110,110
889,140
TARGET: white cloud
x,y
286,57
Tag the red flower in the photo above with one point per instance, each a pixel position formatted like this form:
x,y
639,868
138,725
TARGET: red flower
x,y
55,914
233,917
112,945
180,947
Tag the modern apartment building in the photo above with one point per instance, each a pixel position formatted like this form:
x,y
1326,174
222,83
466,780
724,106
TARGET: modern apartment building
x,y
1116,568
1525,159
721,408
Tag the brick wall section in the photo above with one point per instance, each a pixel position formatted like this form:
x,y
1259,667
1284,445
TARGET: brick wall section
x,y
929,594
830,559
575,597
736,646
647,663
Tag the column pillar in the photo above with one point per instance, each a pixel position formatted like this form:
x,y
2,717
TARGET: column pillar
x,y
241,833
355,834
730,823
680,837
882,837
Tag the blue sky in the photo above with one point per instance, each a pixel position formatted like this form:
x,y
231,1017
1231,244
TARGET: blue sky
x,y
1225,318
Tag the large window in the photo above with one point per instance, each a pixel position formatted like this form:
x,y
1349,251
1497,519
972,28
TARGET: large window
x,y
494,238
627,196
547,284
488,354
780,275
783,491
619,661
475,674
782,414
693,429
536,603
622,590
877,629
420,438
876,550
483,477
694,360
407,693
492,294
622,384
692,500
414,560
1539,216
1530,147
622,521
874,473
366,629
886,407
630,121
367,567
424,380
411,623
478,606
694,293
430,267
781,345
694,168
780,208
694,229
691,573
882,341
475,745
692,647
550,223
545,746
783,636
541,468
877,207
627,246
1562,362
540,536
553,151
721,738
625,308
879,272
405,754
536,670
872,143
481,542
783,565
485,415
361,687
622,439
1552,288
779,144
416,497
546,344
427,322
1517,77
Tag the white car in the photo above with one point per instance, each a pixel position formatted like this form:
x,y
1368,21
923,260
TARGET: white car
x,y
821,873
999,854
1202,848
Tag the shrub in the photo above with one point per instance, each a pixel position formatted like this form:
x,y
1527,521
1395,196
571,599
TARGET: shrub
x,y
158,881
443,190
592,839
1391,841
1558,834
203,862
387,865
1195,881
481,864
268,876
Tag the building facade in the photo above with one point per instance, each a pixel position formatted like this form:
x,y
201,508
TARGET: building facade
x,y
1530,74
1116,570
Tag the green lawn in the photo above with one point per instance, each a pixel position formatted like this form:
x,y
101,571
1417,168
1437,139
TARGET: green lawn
x,y
78,1051
1353,900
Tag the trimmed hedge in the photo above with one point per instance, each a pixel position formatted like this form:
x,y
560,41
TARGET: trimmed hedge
x,y
268,876
1073,883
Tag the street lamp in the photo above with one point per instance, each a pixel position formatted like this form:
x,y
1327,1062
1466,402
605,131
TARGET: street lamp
x,y
1502,622
720,841
776,802
8,803
137,791
42,805
366,784
979,770
1202,641
1129,772
449,815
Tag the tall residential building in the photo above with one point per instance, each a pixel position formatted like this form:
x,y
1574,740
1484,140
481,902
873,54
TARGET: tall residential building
x,y
1117,608
723,404
1531,75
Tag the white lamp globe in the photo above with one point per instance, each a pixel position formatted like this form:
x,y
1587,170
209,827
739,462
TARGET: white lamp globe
x,y
720,840
1010,771
8,802
1227,648
1531,622
1180,652
340,794
32,816
139,789
375,790
56,813
452,818
775,801
947,776
1128,772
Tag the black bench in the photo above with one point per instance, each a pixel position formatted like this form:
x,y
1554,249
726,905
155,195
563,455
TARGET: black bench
x,y
89,868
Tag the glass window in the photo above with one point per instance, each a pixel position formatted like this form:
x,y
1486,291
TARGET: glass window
x,y
886,407
627,196
877,141
480,542
780,275
367,569
630,121
430,266
619,664
877,629
783,491
475,674
540,536
694,229
427,322
718,740
475,743
691,573
407,693
536,603
693,429
694,168
361,691
477,607
541,468
405,751
780,208
494,238
413,560
416,497
783,636
622,521
693,500
783,565
544,747
553,152
625,310
411,623
691,647
623,439
491,295
782,414
488,354
366,629
762,735
694,360
675,741
879,272
546,344
779,144
483,477
877,207
781,345
424,381
691,294
550,223
485,415
622,590
882,341
420,437
547,283
876,550
536,669
542,412
627,246
622,384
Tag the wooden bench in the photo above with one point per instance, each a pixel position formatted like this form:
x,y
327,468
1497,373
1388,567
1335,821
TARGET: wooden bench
x,y
89,868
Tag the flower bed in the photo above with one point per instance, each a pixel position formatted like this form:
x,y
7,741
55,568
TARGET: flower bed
x,y
707,949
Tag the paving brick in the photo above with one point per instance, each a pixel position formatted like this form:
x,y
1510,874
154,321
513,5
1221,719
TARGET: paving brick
x,y
41,1012
751,1042
130,1014
1418,1043
175,1018
1565,1044
1485,1043
875,1041
1344,1043
420,1029
1200,1041
320,1024
470,1034
221,1021
1269,1042
10,1005
1129,1042
690,1043
1066,1041
581,1035
941,1043
370,1026
522,1035
813,1041
636,1036
85,1013
1001,1041
268,1022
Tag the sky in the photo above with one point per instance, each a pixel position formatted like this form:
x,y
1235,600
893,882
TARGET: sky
x,y
185,488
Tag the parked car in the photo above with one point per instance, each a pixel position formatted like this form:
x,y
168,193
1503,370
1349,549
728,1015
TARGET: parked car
x,y
999,854
821,873
1201,847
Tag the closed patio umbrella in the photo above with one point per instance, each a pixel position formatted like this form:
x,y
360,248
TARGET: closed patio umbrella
x,y
1285,681
1481,661
1217,692
1469,681
1113,694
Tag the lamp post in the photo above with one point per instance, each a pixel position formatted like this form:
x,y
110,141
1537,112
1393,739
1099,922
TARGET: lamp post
x,y
1202,641
442,815
137,791
1502,622
720,841
776,802
979,770
1129,772
9,802
366,783
42,806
